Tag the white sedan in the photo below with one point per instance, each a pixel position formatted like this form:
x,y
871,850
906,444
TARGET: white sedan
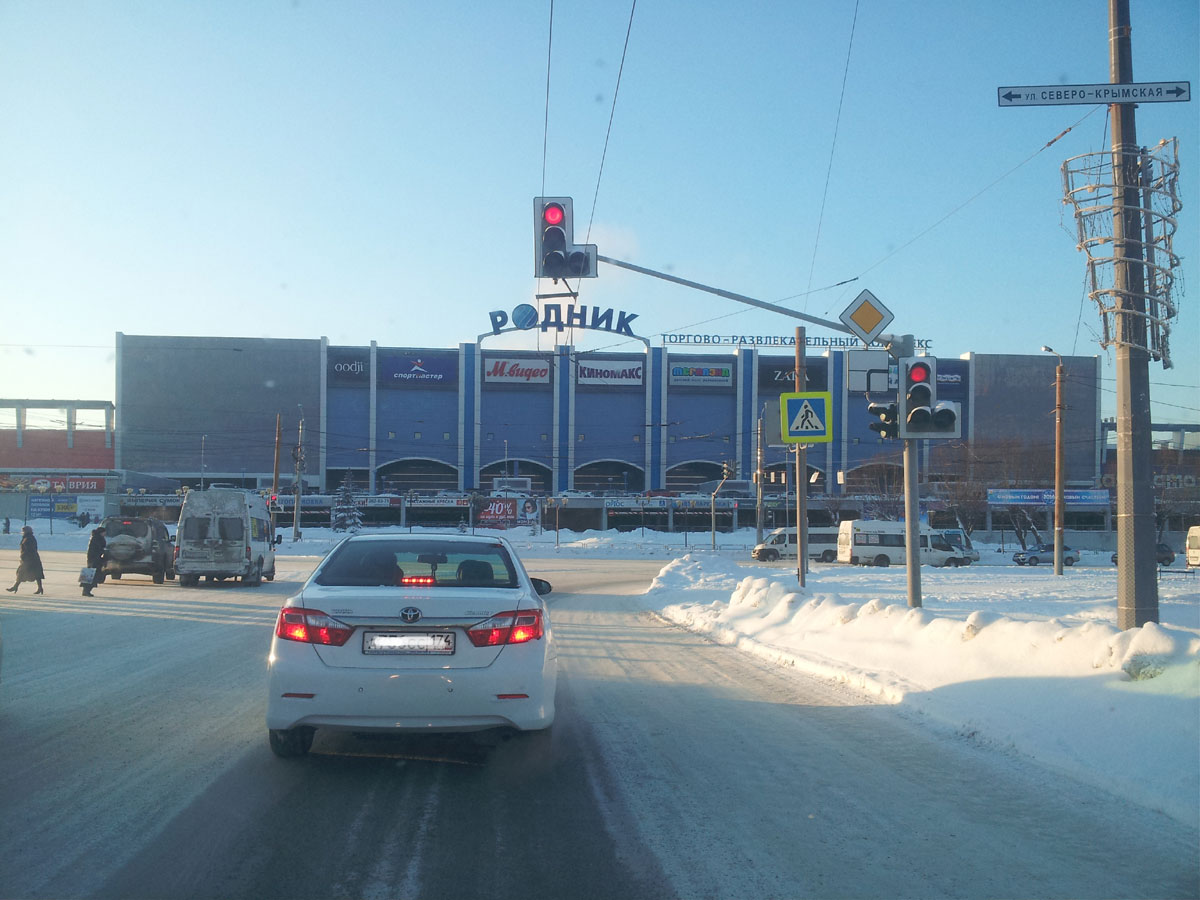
x,y
396,632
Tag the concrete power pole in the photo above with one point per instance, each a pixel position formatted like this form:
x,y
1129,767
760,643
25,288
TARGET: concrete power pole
x,y
1137,588
298,484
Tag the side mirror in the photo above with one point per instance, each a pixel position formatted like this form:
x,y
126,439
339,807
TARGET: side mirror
x,y
278,539
541,585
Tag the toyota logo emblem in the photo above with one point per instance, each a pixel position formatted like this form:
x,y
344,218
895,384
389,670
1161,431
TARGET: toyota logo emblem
x,y
410,614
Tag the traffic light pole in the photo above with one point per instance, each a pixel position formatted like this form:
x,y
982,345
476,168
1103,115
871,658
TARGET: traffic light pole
x,y
912,523
801,377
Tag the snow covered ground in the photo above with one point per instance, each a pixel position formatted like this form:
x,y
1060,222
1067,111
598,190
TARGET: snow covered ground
x,y
1012,656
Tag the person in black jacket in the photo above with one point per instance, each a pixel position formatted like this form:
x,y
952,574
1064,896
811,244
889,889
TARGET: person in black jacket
x,y
30,566
95,558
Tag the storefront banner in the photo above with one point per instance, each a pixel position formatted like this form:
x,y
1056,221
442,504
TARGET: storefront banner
x,y
516,371
349,365
416,370
1045,497
610,372
700,373
76,484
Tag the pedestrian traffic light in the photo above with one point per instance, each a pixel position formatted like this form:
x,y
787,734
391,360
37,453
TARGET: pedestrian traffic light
x,y
888,425
555,253
921,414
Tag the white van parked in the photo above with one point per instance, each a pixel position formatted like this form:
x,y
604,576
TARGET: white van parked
x,y
869,542
781,544
1191,549
224,533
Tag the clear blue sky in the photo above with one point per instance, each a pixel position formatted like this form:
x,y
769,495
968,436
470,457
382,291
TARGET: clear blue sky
x,y
366,170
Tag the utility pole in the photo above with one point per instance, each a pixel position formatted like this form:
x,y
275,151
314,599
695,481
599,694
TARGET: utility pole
x,y
298,484
1137,588
801,381
1059,492
275,472
758,479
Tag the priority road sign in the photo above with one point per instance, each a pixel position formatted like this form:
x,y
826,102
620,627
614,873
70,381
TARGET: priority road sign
x,y
804,417
1075,94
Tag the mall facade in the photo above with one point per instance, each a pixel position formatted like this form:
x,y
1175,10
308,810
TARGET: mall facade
x,y
662,418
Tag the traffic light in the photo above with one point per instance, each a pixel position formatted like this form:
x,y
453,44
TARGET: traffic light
x,y
555,253
888,424
921,414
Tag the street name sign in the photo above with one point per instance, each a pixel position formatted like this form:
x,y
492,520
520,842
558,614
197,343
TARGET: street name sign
x,y
1075,94
804,417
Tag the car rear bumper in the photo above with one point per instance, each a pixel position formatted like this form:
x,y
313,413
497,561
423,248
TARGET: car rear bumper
x,y
431,700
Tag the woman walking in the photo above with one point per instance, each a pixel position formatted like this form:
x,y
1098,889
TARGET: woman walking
x,y
30,566
95,559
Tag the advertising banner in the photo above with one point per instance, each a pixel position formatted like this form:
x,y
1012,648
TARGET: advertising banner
x,y
498,511
416,369
1045,497
611,372
501,370
701,373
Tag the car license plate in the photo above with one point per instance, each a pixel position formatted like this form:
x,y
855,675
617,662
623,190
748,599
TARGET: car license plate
x,y
439,643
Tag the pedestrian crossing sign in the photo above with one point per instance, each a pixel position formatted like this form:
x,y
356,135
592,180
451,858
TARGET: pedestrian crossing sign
x,y
804,418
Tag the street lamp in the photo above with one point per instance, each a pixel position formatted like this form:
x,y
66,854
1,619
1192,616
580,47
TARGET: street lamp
x,y
1059,498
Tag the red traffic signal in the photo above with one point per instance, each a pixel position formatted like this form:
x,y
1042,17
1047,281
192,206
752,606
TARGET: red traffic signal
x,y
555,253
553,214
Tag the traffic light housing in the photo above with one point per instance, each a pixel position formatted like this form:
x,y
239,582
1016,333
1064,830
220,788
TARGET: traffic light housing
x,y
888,415
921,415
555,253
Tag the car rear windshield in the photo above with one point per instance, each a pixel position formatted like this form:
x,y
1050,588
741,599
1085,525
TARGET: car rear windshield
x,y
430,563
138,528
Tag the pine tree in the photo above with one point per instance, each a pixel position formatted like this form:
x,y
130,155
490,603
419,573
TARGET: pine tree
x,y
346,516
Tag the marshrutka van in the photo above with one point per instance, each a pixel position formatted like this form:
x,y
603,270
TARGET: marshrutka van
x,y
224,533
869,542
1191,549
781,544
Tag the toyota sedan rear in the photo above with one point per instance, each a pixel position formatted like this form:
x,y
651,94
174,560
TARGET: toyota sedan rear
x,y
412,633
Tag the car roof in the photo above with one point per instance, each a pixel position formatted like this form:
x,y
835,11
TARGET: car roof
x,y
425,537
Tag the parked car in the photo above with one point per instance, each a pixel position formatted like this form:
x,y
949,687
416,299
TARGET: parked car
x,y
1163,555
418,633
1044,553
140,546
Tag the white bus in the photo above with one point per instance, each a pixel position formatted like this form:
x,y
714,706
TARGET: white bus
x,y
781,544
1191,550
868,542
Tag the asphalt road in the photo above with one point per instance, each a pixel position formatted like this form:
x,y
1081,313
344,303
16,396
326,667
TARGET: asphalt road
x,y
134,763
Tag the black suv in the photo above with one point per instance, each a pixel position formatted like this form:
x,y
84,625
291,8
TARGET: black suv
x,y
138,546
1163,555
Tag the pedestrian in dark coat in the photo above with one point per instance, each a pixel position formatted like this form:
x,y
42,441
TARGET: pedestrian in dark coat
x,y
95,558
30,566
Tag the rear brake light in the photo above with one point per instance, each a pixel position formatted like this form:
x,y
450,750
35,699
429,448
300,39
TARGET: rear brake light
x,y
418,579
311,626
513,627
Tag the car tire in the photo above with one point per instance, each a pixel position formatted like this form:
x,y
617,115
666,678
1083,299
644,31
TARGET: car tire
x,y
1033,561
1068,561
882,561
170,574
771,555
160,576
255,578
115,576
189,580
828,556
291,742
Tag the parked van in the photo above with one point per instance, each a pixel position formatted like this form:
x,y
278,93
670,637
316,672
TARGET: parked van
x,y
867,542
138,545
781,544
1192,547
224,533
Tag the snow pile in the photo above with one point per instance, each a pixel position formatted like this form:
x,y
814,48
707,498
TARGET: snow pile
x,y
1120,709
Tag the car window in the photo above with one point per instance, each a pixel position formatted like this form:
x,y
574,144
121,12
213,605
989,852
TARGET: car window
x,y
195,529
231,529
430,563
137,528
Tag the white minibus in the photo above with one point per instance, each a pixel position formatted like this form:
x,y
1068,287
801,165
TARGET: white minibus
x,y
871,542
